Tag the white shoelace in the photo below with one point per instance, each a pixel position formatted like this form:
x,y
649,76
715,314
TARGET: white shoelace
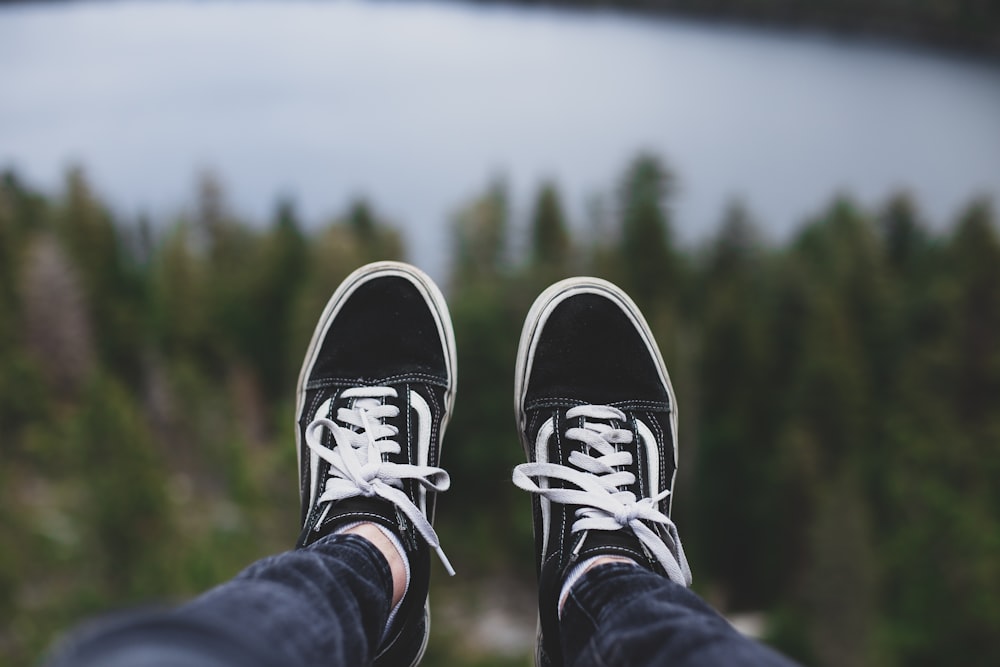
x,y
356,464
603,505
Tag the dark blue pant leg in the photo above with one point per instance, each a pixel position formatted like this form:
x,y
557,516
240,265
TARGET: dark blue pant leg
x,y
326,604
625,615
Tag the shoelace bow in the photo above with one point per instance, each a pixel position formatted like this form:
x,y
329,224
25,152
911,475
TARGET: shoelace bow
x,y
357,467
599,475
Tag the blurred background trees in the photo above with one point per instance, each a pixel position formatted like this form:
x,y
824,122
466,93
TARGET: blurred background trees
x,y
840,442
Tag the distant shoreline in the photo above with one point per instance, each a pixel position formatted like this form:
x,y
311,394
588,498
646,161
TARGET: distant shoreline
x,y
958,29
953,27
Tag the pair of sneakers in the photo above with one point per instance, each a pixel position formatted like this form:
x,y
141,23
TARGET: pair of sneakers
x,y
595,412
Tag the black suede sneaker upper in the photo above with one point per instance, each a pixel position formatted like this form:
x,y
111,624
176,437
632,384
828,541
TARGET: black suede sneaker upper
x,y
598,422
375,394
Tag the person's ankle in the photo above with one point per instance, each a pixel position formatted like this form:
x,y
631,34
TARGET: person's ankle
x,y
398,564
582,568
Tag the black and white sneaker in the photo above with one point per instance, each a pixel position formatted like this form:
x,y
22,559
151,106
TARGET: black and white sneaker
x,y
374,396
598,422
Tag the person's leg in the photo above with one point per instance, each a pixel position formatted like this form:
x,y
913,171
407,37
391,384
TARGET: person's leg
x,y
597,418
324,604
623,614
375,393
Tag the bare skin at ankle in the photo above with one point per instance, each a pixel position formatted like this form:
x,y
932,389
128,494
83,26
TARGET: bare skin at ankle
x,y
601,560
371,533
608,559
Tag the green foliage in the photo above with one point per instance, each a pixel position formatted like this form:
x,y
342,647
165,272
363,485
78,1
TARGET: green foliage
x,y
649,267
839,586
481,236
840,442
550,242
124,507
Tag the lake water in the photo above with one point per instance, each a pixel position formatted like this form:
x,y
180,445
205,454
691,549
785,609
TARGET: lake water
x,y
418,106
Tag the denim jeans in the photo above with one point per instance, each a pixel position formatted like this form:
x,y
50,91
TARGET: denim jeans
x,y
327,604
624,615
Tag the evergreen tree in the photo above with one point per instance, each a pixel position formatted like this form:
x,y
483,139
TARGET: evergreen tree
x,y
737,248
647,253
839,584
734,441
550,242
56,322
976,265
487,307
179,301
905,235
280,279
376,239
126,511
481,236
111,284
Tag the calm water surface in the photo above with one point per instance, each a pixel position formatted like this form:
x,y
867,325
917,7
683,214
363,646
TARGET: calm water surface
x,y
418,105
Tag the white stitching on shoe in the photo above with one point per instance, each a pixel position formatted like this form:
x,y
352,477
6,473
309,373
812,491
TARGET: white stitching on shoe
x,y
415,376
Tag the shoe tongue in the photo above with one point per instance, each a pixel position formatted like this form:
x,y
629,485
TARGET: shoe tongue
x,y
366,403
359,406
587,449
